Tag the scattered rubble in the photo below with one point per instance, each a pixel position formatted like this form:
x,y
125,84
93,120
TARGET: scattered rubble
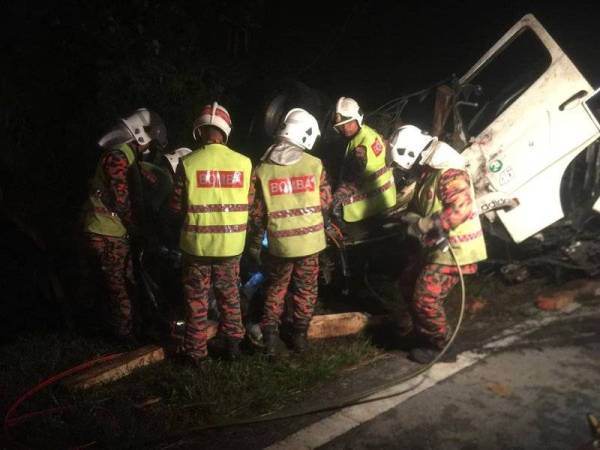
x,y
475,305
514,273
559,300
501,390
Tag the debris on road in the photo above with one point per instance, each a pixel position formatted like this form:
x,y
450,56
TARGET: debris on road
x,y
514,272
475,304
501,390
559,300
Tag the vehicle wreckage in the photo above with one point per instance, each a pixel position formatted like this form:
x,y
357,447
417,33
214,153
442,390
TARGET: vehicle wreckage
x,y
530,140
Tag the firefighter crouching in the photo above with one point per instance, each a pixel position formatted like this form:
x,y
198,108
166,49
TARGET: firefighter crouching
x,y
212,190
292,196
366,184
443,212
111,222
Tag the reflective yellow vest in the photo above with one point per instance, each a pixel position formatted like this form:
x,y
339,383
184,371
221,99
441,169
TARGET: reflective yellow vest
x,y
99,218
217,184
466,239
292,196
377,191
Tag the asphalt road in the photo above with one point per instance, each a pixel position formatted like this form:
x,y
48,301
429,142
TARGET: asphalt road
x,y
532,394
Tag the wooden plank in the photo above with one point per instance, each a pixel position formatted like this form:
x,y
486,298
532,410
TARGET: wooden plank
x,y
125,364
343,324
117,368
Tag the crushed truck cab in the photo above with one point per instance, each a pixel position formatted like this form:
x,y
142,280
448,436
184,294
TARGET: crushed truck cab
x,y
522,113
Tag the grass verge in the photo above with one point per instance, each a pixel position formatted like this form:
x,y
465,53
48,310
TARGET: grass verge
x,y
160,400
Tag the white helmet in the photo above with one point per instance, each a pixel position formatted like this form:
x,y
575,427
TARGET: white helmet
x,y
300,128
175,156
143,126
146,126
406,144
347,110
214,115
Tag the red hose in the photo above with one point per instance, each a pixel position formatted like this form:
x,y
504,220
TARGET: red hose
x,y
9,421
45,412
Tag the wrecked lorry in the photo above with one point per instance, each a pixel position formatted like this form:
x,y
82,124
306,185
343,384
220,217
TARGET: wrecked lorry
x,y
519,134
527,122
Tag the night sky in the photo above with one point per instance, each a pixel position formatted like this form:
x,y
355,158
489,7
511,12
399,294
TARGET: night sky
x,y
376,50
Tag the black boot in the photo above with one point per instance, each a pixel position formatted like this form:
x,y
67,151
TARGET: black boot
x,y
270,337
425,354
232,352
299,341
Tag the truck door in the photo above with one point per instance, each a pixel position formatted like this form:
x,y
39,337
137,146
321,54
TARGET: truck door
x,y
526,125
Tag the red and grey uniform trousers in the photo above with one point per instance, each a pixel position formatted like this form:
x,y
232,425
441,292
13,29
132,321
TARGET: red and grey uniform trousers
x,y
112,257
432,286
299,277
199,275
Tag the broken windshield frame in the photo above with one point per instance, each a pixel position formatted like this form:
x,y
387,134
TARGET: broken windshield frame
x,y
503,79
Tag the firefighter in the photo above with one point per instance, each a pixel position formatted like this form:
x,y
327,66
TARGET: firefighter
x,y
366,184
212,187
443,212
111,222
292,198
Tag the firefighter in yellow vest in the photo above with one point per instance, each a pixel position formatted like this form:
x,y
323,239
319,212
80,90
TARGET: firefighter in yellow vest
x,y
212,188
110,220
292,198
366,184
443,209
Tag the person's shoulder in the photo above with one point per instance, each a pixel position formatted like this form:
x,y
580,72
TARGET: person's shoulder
x,y
239,154
373,131
118,150
312,158
113,155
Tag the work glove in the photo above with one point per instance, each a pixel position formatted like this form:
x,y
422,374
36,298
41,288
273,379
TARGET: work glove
x,y
332,231
427,229
337,211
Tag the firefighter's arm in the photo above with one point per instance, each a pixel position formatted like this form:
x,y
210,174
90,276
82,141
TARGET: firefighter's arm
x,y
257,219
177,200
115,167
355,165
419,226
454,190
325,195
343,192
352,174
